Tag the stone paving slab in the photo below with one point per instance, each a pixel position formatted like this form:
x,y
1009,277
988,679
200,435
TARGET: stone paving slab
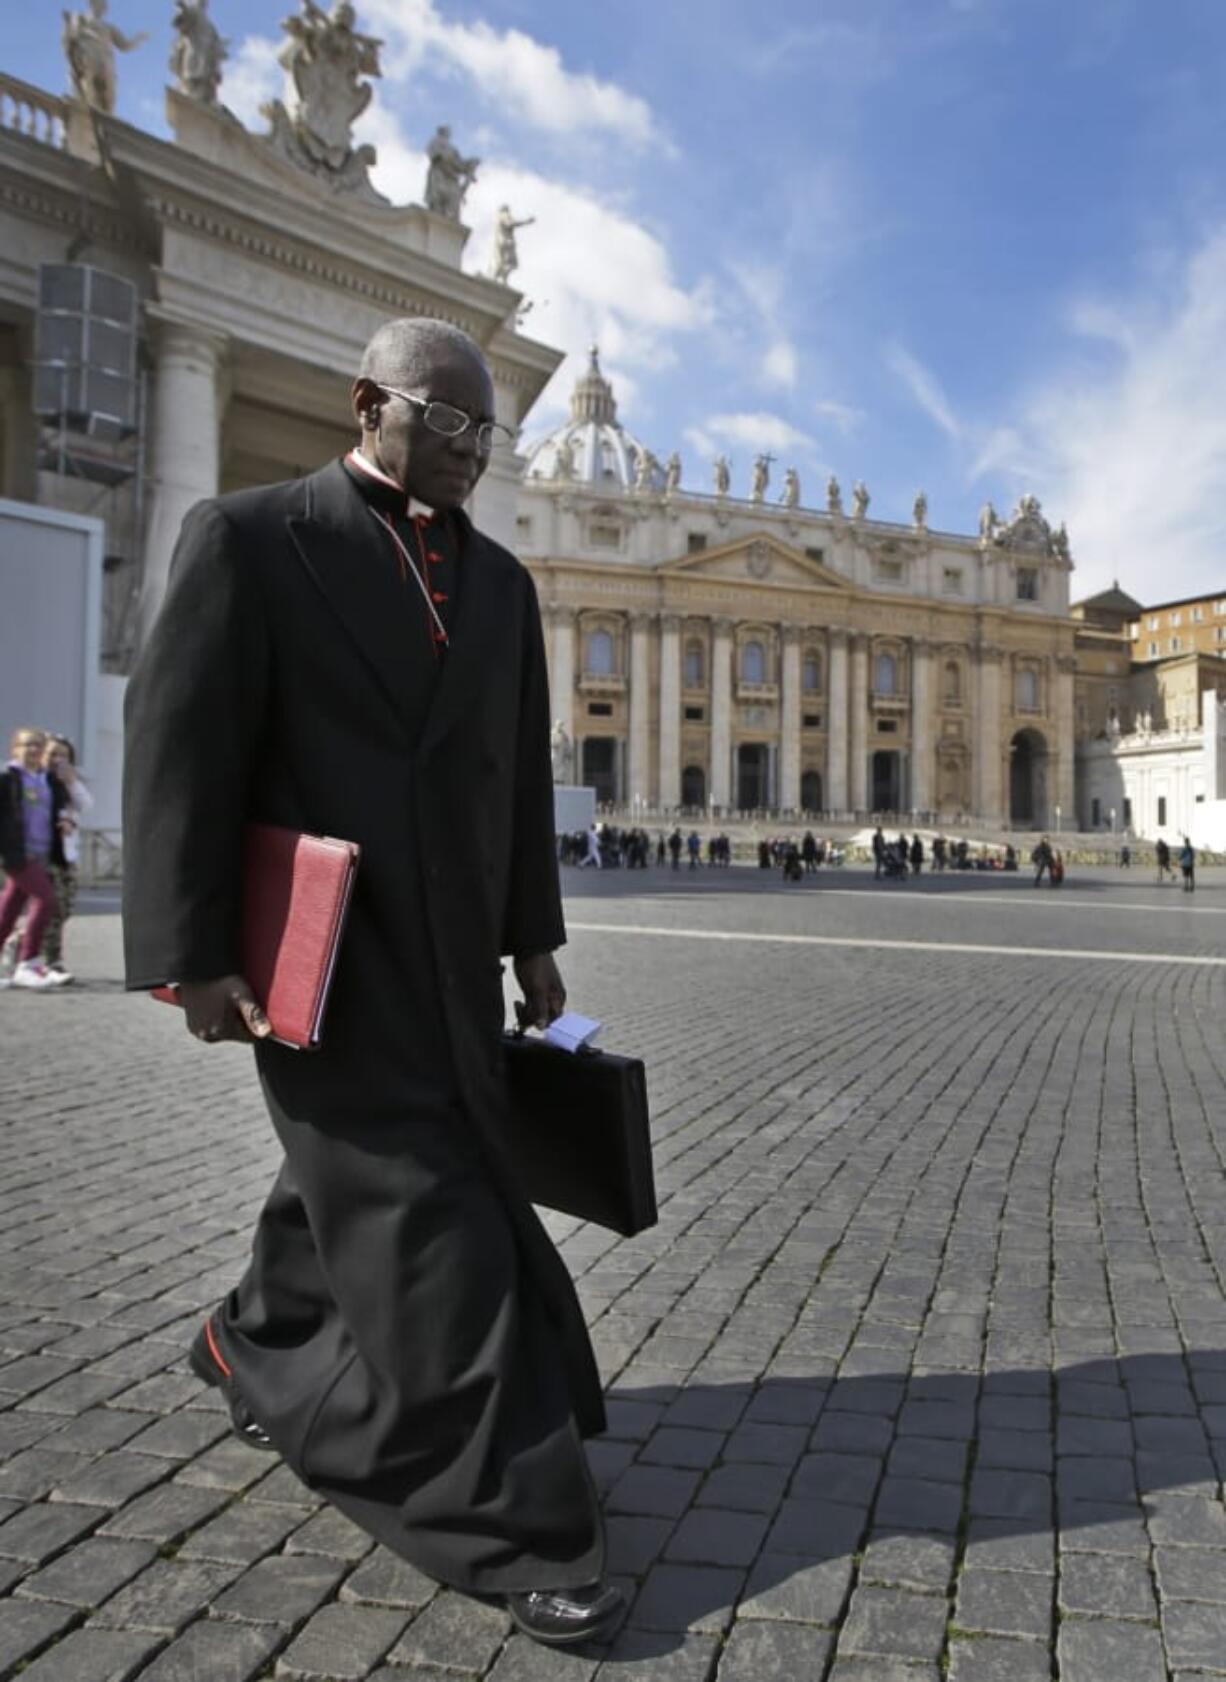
x,y
922,1373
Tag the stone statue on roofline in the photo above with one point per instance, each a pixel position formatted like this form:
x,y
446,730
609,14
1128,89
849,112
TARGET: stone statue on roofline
x,y
919,512
645,469
506,251
989,520
564,460
672,474
325,59
90,43
723,476
449,176
791,489
834,496
859,500
198,52
761,478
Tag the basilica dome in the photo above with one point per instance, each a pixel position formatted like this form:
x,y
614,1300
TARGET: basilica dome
x,y
593,447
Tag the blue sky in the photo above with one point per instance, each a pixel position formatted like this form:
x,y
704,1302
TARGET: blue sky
x,y
972,246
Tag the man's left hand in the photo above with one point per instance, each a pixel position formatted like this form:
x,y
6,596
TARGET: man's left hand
x,y
543,989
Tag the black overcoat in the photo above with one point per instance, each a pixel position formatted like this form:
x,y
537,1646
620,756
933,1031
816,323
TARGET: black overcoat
x,y
406,1331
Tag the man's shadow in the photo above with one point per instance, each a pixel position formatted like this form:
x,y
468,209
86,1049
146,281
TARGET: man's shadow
x,y
760,1498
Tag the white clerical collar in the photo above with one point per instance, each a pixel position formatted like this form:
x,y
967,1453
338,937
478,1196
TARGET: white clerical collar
x,y
417,510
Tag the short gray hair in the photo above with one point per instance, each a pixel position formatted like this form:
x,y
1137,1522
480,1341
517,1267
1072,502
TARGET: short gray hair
x,y
409,349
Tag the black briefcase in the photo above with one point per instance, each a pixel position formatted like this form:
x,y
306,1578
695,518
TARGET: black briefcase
x,y
580,1138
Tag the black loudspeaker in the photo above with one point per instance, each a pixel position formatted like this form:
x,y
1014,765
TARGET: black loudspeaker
x,y
85,349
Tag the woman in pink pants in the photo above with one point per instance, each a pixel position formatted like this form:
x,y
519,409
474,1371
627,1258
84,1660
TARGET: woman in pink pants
x,y
32,802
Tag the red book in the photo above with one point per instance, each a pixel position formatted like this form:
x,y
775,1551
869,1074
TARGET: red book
x,y
296,892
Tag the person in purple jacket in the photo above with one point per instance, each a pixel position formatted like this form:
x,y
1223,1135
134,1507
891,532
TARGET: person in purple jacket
x,y
32,803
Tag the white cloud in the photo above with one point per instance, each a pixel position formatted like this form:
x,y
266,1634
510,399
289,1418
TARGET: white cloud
x,y
1133,453
780,365
846,418
756,431
252,75
525,77
924,388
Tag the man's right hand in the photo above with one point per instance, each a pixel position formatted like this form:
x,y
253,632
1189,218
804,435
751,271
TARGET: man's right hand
x,y
225,1009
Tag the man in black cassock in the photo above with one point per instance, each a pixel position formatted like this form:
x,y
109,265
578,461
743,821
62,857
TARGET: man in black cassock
x,y
345,654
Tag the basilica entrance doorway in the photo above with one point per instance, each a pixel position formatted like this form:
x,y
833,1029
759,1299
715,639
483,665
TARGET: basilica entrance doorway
x,y
1028,780
693,787
887,780
752,776
811,791
600,767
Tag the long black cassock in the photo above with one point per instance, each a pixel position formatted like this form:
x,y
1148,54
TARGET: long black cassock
x,y
406,1332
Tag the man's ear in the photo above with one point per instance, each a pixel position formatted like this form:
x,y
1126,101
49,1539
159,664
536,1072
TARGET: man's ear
x,y
365,398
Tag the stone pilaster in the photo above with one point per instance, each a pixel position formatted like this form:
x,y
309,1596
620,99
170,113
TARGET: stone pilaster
x,y
721,711
640,706
789,720
1063,787
562,666
185,435
923,734
987,734
670,711
836,725
859,723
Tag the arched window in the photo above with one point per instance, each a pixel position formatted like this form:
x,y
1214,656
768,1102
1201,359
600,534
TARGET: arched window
x,y
811,791
598,654
811,673
694,665
1027,690
753,663
885,675
693,786
953,681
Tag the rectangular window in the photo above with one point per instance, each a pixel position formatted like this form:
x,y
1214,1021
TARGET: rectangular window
x,y
1027,584
1154,623
1175,619
887,726
1096,814
1162,811
1127,811
604,536
1198,613
695,715
1219,607
816,554
695,542
888,570
1153,650
600,709
812,721
1219,633
953,581
1174,645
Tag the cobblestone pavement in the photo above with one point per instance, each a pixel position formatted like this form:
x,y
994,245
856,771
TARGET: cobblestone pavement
x,y
923,1371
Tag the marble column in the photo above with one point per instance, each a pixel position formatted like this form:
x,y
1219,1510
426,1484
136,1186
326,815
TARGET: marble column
x,y
987,735
923,733
859,723
721,711
670,711
562,668
185,443
639,756
789,720
836,726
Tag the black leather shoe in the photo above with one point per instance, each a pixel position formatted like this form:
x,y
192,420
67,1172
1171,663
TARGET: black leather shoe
x,y
565,1617
206,1361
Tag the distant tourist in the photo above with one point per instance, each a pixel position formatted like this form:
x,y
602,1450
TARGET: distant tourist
x,y
1042,858
1187,865
60,760
1162,855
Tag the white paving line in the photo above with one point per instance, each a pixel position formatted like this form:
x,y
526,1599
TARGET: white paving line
x,y
1044,901
1085,955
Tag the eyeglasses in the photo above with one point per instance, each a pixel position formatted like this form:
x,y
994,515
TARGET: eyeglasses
x,y
446,419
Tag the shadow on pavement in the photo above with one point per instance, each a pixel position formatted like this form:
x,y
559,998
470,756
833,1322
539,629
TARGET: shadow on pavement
x,y
765,1500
